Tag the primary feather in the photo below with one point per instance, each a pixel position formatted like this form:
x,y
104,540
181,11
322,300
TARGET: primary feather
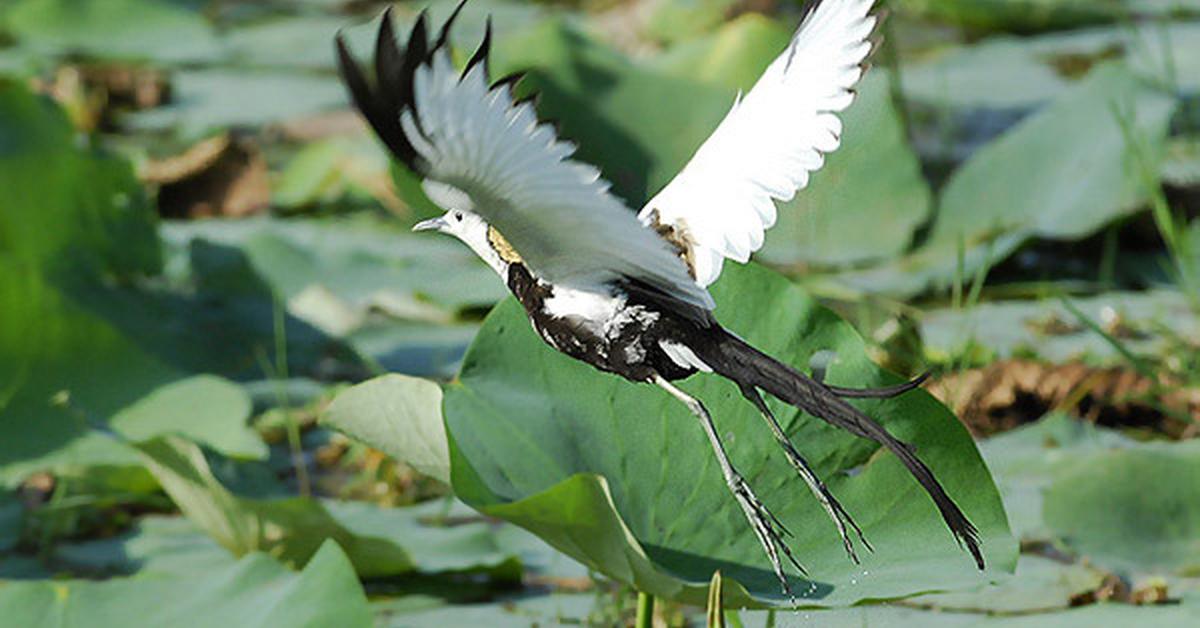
x,y
770,141
478,150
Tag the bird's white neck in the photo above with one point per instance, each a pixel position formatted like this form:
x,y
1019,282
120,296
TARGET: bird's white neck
x,y
476,237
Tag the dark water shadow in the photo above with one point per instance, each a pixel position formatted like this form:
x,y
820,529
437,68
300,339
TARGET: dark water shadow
x,y
161,334
696,568
227,326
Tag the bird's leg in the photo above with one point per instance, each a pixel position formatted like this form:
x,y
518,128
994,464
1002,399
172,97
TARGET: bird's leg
x,y
836,512
885,392
766,526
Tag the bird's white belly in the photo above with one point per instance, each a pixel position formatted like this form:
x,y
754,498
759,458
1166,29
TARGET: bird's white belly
x,y
599,311
592,309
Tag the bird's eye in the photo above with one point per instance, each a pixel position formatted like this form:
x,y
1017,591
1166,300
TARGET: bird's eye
x,y
458,216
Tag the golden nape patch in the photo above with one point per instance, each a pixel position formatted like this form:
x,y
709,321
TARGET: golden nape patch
x,y
678,237
502,247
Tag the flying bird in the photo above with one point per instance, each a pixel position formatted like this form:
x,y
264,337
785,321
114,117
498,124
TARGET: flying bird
x,y
624,292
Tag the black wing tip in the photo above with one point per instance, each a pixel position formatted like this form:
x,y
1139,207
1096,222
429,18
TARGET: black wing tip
x,y
483,52
421,24
444,33
383,100
509,80
387,30
345,59
808,9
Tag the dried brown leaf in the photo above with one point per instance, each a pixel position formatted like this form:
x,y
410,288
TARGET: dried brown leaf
x,y
219,176
93,93
1010,393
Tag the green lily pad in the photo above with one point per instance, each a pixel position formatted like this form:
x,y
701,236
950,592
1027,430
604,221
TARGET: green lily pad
x,y
291,529
1078,134
157,545
69,206
365,264
1076,175
560,609
1020,327
19,62
327,171
81,342
374,287
434,547
1039,585
379,542
403,415
999,73
163,30
1132,509
1090,616
1017,15
733,56
255,591
1168,53
1026,460
206,99
683,20
1007,73
296,41
204,408
616,475
426,350
162,545
12,515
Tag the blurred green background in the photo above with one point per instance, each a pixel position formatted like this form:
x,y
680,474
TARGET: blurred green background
x,y
201,244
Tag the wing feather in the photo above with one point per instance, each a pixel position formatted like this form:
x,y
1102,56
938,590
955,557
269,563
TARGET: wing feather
x,y
479,150
770,142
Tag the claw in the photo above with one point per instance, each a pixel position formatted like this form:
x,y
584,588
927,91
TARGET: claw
x,y
764,523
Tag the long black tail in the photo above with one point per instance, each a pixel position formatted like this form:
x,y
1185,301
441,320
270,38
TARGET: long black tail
x,y
737,360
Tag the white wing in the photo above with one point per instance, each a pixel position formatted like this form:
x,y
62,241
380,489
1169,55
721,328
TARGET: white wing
x,y
770,141
480,151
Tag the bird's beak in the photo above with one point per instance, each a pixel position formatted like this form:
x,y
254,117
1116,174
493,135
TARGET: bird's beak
x,y
434,224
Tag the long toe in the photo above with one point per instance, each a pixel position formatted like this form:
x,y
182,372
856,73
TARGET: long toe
x,y
768,530
837,513
841,519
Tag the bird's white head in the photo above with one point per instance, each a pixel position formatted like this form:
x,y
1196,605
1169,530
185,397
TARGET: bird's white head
x,y
461,224
474,231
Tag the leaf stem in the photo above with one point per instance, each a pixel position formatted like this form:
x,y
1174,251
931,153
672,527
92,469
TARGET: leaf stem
x,y
278,374
645,610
